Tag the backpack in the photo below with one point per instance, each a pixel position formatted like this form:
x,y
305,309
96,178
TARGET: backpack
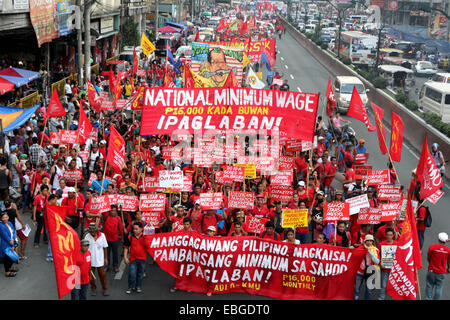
x,y
428,219
264,233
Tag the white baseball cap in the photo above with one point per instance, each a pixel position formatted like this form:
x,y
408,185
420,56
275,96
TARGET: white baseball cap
x,y
301,183
443,237
71,189
211,228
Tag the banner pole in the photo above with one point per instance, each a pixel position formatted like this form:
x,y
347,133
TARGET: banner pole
x,y
103,179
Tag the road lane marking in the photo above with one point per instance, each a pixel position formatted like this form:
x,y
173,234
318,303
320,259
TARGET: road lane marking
x,y
282,59
292,77
286,66
119,274
299,90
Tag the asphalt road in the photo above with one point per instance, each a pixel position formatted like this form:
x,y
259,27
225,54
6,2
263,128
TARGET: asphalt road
x,y
36,276
304,73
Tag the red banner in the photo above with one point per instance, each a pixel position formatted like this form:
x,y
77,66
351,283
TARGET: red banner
x,y
55,137
150,184
211,200
381,132
285,163
389,192
68,136
378,177
233,174
255,266
65,247
362,171
390,210
293,145
73,176
335,211
116,150
128,203
99,204
281,178
241,200
427,173
166,110
152,202
282,193
361,158
369,216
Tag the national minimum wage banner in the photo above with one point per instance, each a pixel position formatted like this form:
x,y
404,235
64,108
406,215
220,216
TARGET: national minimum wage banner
x,y
169,109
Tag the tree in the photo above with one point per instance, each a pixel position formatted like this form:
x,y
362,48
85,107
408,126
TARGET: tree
x,y
130,33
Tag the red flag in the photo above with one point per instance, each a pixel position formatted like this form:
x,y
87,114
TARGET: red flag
x,y
244,28
221,25
135,61
65,248
94,99
379,113
231,81
55,108
168,82
402,283
116,150
427,173
396,137
112,81
84,126
331,101
358,111
188,79
197,36
117,88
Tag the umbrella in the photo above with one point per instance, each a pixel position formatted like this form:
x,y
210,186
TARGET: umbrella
x,y
13,118
5,86
167,29
18,76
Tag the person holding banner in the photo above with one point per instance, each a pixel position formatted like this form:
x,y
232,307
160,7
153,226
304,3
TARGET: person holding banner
x,y
386,269
370,263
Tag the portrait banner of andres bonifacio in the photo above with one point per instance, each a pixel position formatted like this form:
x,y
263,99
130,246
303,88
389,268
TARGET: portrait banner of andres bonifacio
x,y
214,62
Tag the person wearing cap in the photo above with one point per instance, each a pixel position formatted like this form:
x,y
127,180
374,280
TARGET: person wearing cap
x,y
360,148
137,247
367,267
102,148
83,261
389,234
74,206
320,146
438,257
211,231
62,152
98,248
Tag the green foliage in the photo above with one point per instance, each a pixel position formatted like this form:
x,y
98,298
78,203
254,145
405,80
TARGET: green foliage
x,y
380,82
130,33
412,105
324,46
401,97
346,61
434,120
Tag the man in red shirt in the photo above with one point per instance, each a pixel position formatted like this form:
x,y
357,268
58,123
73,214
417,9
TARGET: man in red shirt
x,y
420,218
38,214
83,261
210,218
381,232
158,167
260,210
137,247
438,264
74,207
269,232
329,173
113,229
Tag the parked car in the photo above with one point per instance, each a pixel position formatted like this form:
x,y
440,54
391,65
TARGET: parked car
x,y
424,68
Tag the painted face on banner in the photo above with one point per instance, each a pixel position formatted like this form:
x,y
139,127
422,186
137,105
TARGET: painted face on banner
x,y
217,68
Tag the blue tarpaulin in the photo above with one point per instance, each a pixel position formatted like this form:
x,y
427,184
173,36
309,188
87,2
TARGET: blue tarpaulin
x,y
14,118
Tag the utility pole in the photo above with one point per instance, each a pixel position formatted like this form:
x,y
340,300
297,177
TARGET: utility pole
x,y
79,46
87,39
156,16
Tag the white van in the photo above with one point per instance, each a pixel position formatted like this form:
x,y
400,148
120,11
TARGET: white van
x,y
435,97
343,89
310,28
441,77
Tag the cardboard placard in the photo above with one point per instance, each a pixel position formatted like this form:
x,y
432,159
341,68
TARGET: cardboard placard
x,y
152,202
293,218
172,153
335,211
362,171
282,178
128,203
356,203
388,255
73,176
233,173
167,178
361,158
55,137
84,155
92,177
150,184
285,163
99,204
293,145
186,186
250,171
241,200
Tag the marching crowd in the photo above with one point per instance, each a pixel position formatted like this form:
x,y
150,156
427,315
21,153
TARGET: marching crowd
x,y
33,174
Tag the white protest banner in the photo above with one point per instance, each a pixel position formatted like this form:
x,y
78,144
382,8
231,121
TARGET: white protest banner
x,y
390,192
390,210
152,202
241,200
167,178
281,178
211,200
186,186
356,203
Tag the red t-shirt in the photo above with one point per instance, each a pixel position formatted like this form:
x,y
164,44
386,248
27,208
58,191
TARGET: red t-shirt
x,y
210,221
138,248
272,236
112,227
339,239
422,213
381,235
40,202
177,223
330,169
260,213
83,261
438,258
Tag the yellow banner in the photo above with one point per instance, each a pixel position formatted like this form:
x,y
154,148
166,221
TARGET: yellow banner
x,y
293,218
146,45
250,171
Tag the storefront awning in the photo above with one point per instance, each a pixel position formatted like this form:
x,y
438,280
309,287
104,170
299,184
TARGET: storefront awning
x,y
5,86
109,34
